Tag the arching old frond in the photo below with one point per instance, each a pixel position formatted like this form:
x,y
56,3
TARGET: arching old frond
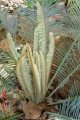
x,y
64,71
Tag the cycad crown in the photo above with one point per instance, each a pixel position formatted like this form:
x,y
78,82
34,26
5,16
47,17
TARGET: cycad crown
x,y
40,61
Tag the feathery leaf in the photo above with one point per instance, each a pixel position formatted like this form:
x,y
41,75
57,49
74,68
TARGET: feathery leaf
x,y
12,47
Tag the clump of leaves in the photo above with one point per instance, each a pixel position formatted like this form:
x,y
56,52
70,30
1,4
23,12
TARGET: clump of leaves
x,y
38,63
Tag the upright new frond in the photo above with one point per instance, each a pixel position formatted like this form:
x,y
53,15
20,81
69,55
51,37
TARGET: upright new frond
x,y
12,47
37,61
23,51
50,54
43,74
20,77
41,27
36,43
26,76
34,71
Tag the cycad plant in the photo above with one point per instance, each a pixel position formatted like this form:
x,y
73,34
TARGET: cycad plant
x,y
7,71
33,66
38,62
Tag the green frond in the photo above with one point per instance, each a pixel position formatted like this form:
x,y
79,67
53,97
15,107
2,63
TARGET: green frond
x,y
8,74
7,68
48,3
3,72
9,22
64,72
71,108
73,7
5,57
74,90
74,93
27,24
10,87
15,117
58,116
44,3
